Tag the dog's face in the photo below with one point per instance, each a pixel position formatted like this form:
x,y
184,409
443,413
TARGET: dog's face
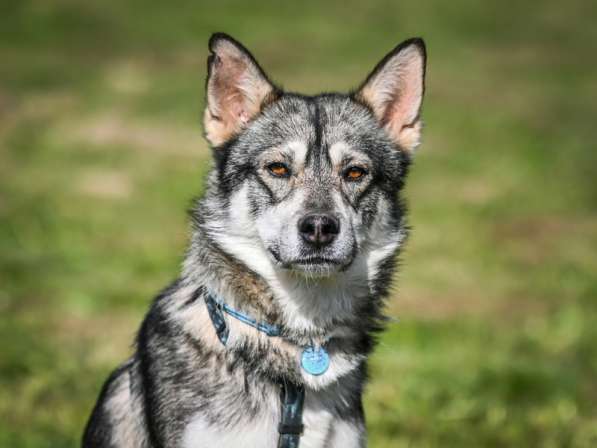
x,y
314,179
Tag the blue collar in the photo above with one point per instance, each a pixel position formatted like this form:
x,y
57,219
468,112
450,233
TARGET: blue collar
x,y
314,359
215,307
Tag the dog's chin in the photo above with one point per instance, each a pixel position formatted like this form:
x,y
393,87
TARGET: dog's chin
x,y
313,266
316,267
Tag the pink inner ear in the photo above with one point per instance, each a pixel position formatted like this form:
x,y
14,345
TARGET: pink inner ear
x,y
243,117
226,96
236,91
395,93
403,109
232,104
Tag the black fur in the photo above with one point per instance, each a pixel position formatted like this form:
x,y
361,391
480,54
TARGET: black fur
x,y
180,373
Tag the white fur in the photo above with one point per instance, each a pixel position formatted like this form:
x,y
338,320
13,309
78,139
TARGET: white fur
x,y
346,435
299,149
127,420
322,430
260,433
381,243
339,150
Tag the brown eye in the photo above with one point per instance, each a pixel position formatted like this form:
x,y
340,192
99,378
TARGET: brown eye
x,y
354,173
278,169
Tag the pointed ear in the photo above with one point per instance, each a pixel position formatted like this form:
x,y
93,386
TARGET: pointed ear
x,y
394,91
237,89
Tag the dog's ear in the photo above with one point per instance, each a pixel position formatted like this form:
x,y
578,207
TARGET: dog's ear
x,y
236,89
394,92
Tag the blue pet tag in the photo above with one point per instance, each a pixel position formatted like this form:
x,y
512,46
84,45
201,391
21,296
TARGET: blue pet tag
x,y
315,360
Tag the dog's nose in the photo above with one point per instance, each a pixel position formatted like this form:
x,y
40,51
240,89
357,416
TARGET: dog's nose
x,y
318,230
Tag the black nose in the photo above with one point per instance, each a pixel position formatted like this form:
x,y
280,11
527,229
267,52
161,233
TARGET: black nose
x,y
318,230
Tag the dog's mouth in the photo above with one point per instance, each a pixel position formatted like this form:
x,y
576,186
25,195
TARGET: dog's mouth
x,y
317,261
317,266
313,264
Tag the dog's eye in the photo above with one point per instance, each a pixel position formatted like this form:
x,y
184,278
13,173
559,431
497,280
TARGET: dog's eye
x,y
278,169
354,173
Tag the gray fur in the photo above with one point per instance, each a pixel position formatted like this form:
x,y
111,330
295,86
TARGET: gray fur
x,y
182,387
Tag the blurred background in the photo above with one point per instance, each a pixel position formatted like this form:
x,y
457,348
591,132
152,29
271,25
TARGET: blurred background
x,y
101,151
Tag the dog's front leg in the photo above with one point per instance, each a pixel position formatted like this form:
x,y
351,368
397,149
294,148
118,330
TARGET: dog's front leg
x,y
347,434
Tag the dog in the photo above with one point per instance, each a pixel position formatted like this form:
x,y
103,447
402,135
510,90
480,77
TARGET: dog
x,y
263,340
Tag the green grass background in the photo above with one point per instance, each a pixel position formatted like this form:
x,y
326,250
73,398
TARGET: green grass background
x,y
101,152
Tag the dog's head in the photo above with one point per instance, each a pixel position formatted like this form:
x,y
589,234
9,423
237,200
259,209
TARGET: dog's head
x,y
310,182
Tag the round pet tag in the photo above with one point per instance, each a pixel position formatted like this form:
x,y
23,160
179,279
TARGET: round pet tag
x,y
315,360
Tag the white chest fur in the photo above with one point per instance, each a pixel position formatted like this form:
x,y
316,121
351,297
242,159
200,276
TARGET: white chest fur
x,y
321,429
199,433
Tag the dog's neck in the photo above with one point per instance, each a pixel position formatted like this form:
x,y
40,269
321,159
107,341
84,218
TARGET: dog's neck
x,y
210,266
305,309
